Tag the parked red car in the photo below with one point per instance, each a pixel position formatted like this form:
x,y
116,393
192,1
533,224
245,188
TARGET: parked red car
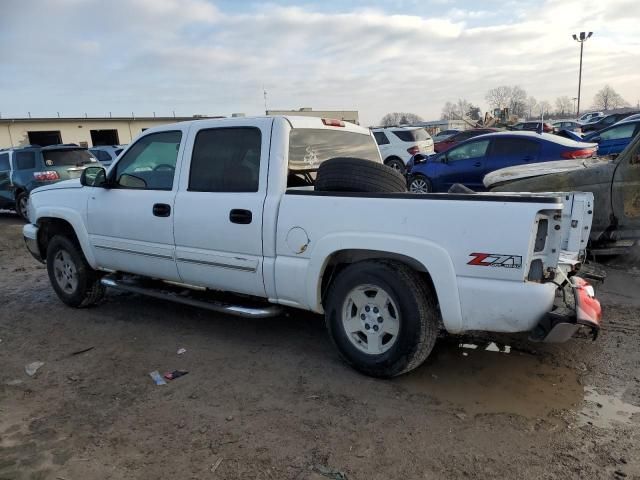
x,y
445,145
532,127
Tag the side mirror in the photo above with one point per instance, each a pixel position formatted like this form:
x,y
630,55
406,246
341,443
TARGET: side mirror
x,y
93,177
595,139
419,158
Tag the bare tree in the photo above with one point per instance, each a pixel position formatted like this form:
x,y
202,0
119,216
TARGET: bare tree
x,y
543,108
607,99
498,97
449,111
400,118
532,103
518,101
564,105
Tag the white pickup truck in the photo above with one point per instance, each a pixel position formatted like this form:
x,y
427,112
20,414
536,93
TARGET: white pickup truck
x,y
262,210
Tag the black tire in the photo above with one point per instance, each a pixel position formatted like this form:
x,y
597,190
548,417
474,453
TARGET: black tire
x,y
22,202
358,175
86,290
418,318
425,183
397,164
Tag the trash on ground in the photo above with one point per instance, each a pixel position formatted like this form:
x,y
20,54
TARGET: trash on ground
x,y
84,350
329,473
175,374
182,351
32,368
157,378
215,466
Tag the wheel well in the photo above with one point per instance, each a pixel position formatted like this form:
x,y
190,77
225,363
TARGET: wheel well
x,y
338,261
49,228
18,192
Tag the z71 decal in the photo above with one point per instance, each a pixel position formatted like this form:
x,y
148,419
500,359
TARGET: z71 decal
x,y
495,260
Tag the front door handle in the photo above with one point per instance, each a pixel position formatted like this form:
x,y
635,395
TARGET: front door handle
x,y
161,209
243,217
477,164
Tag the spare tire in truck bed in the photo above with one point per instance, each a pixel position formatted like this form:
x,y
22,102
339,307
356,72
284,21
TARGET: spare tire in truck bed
x,y
344,174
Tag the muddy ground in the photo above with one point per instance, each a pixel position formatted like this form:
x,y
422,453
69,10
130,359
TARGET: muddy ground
x,y
270,399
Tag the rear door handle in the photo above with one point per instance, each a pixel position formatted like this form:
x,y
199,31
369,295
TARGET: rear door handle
x,y
528,158
477,164
161,209
243,217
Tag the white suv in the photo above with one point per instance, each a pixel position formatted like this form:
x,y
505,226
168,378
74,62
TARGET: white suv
x,y
398,144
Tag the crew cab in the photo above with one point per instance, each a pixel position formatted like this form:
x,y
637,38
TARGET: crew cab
x,y
248,216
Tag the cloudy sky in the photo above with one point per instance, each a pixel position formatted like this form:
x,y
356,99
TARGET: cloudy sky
x,y
214,56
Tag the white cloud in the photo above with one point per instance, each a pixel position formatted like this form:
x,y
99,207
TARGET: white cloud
x,y
196,57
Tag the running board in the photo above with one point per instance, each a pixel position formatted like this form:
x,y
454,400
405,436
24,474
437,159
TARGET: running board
x,y
187,297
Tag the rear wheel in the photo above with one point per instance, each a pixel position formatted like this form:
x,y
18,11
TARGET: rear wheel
x,y
420,184
396,164
382,317
72,278
22,205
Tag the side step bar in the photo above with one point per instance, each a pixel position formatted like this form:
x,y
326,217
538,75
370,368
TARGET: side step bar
x,y
187,297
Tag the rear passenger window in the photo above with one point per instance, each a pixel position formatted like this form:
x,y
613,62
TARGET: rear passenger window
x,y
381,138
515,146
25,160
4,161
226,160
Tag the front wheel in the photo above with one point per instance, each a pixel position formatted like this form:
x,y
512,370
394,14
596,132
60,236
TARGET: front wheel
x,y
382,317
420,184
72,278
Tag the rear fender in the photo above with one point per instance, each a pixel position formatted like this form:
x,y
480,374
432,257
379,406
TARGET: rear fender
x,y
428,256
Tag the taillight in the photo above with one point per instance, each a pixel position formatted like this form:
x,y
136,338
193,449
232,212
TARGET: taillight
x,y
413,150
581,153
333,122
47,176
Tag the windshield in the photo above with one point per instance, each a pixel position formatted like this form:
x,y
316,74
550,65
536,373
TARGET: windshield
x,y
67,157
309,147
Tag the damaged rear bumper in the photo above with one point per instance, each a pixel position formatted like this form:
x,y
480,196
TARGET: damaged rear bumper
x,y
577,308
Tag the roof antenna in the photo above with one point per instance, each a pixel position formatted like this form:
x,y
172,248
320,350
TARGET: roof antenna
x,y
264,92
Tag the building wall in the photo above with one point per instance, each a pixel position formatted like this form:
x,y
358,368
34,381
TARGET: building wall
x,y
13,132
346,115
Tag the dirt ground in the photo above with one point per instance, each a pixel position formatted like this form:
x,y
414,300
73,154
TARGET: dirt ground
x,y
270,399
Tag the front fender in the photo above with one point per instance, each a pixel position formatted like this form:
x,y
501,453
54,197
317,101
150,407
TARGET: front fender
x,y
434,259
74,218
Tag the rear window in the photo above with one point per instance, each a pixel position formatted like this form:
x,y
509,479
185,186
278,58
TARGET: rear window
x,y
59,158
417,135
309,147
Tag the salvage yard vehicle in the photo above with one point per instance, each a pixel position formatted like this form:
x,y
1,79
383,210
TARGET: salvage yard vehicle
x,y
613,140
605,122
456,138
24,168
207,206
469,162
398,144
615,184
106,154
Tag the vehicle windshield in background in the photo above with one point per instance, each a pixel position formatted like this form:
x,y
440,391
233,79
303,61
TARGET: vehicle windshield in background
x,y
309,147
417,135
67,157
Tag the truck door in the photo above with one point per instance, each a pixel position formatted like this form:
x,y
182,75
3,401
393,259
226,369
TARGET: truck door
x,y
465,164
131,224
625,192
219,206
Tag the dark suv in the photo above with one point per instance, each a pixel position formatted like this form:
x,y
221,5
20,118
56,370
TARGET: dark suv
x,y
605,122
24,168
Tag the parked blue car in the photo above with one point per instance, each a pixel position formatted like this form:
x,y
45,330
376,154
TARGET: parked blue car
x,y
614,139
469,161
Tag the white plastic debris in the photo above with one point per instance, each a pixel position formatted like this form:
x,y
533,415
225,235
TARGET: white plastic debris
x,y
182,351
32,368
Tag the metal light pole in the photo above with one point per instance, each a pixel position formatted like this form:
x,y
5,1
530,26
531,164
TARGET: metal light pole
x,y
583,37
574,105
